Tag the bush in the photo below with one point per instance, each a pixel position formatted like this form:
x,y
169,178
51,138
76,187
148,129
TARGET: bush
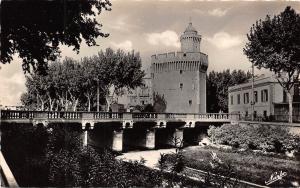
x,y
70,164
23,147
255,136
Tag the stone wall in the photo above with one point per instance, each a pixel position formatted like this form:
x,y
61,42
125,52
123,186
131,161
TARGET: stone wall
x,y
181,80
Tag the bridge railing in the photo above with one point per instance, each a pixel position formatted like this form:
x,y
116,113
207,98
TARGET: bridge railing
x,y
176,115
144,115
14,114
108,115
64,115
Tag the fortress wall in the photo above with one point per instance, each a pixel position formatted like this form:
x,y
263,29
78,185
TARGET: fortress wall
x,y
179,56
178,98
179,61
181,78
178,65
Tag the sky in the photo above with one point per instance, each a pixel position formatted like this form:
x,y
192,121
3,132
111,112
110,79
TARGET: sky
x,y
154,26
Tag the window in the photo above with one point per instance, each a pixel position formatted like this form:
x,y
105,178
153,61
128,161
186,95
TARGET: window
x,y
190,102
264,95
285,99
180,72
255,96
238,98
296,89
143,102
255,114
246,114
265,113
181,86
184,55
246,98
231,100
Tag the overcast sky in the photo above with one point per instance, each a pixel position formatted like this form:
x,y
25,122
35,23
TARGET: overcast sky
x,y
154,26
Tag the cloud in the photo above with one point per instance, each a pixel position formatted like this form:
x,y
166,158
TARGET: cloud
x,y
126,45
224,40
199,11
122,24
119,24
166,38
12,88
217,12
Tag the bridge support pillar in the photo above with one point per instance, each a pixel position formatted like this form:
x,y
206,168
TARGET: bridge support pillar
x,y
168,137
117,142
177,137
86,126
85,138
139,138
150,139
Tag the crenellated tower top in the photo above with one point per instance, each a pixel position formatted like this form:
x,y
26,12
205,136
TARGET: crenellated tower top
x,y
190,40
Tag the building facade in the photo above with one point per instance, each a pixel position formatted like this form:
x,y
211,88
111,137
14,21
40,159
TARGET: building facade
x,y
269,98
181,76
141,95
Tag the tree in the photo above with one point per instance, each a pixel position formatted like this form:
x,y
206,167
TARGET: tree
x,y
89,84
71,84
274,44
61,86
39,88
217,88
35,29
159,103
117,71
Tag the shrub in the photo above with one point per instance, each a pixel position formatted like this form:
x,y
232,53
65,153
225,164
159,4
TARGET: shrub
x,y
70,164
255,136
23,147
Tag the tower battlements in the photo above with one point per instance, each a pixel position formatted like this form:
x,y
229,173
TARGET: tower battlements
x,y
179,57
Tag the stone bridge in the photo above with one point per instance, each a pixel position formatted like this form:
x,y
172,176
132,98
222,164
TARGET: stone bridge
x,y
122,130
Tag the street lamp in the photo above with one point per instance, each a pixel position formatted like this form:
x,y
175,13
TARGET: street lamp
x,y
98,96
252,93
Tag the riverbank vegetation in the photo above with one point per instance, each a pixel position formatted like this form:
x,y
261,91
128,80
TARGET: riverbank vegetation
x,y
248,166
268,138
54,156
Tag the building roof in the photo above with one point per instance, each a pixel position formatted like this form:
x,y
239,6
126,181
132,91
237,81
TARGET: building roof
x,y
190,29
259,80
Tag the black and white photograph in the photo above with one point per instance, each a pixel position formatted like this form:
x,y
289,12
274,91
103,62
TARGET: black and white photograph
x,y
150,93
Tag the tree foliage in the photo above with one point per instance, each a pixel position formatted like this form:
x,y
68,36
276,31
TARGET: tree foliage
x,y
35,29
23,147
72,84
217,88
274,44
159,103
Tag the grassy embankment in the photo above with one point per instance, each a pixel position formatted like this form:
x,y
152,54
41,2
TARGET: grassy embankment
x,y
250,166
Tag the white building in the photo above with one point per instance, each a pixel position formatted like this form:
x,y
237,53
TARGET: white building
x,y
269,98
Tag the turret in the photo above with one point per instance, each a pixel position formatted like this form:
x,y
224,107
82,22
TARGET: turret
x,y
190,40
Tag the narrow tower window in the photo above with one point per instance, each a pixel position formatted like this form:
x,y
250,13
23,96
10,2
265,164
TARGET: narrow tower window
x,y
181,86
180,71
